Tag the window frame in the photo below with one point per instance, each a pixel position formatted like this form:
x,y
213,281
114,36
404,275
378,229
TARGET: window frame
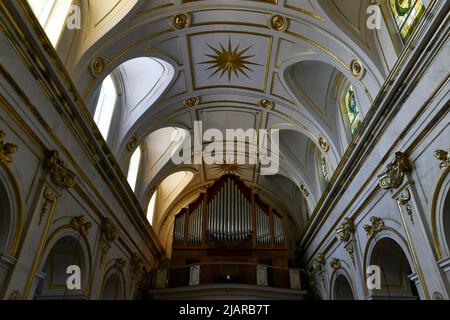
x,y
416,19
56,11
135,179
102,95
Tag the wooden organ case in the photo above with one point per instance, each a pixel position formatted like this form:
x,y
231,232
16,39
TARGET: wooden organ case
x,y
228,230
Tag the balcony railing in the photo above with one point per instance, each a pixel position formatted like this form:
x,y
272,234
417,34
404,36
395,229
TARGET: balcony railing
x,y
228,273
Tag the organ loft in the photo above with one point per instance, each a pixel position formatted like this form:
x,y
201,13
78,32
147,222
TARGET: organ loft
x,y
229,150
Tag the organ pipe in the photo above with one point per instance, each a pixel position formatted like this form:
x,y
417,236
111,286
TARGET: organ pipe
x,y
229,218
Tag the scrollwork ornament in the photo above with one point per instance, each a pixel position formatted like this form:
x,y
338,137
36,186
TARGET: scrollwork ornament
x,y
344,232
319,262
266,104
181,21
304,190
79,224
192,102
136,263
120,263
404,200
376,225
356,68
109,230
49,198
324,144
395,171
97,66
58,171
278,23
444,157
335,264
132,144
6,149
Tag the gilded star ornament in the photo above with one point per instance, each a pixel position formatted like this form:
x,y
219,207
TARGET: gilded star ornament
x,y
229,168
229,60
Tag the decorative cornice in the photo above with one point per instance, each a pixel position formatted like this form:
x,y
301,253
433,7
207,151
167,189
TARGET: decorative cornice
x,y
58,171
6,149
79,224
376,225
109,230
395,171
335,264
444,157
344,232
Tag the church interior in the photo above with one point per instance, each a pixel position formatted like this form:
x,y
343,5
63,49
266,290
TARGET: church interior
x,y
98,99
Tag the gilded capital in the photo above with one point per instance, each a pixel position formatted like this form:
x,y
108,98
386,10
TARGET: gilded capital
x,y
335,264
79,224
344,232
395,171
444,157
109,230
58,171
136,263
319,262
120,263
376,225
6,150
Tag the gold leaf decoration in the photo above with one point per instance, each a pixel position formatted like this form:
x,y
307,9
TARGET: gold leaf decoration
x,y
229,60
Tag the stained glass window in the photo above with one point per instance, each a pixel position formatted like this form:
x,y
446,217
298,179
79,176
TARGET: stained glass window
x,y
352,109
407,14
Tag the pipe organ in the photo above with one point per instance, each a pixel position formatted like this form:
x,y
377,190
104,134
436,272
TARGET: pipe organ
x,y
229,215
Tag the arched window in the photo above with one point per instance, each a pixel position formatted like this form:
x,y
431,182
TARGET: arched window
x,y
52,16
151,207
407,14
105,106
352,109
134,168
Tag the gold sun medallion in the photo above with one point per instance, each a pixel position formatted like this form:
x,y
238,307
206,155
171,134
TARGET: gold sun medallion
x,y
229,60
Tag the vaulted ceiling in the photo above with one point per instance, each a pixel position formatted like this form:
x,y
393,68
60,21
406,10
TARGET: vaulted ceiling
x,y
294,53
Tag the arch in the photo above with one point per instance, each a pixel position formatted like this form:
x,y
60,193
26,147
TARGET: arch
x,y
63,251
341,288
440,215
113,287
389,251
139,83
157,150
11,215
167,192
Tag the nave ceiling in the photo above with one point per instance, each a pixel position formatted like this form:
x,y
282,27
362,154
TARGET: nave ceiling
x,y
296,54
